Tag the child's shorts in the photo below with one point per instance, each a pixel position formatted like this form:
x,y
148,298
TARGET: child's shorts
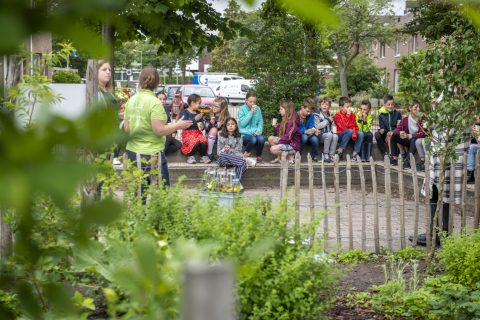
x,y
285,147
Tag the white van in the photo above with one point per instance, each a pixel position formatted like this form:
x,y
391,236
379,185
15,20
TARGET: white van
x,y
235,90
213,80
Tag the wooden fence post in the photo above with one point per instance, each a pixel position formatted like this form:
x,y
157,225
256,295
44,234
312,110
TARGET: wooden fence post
x,y
463,222
349,204
325,206
401,191
364,206
388,208
297,188
312,196
428,215
376,224
477,192
284,177
452,197
337,200
416,197
209,293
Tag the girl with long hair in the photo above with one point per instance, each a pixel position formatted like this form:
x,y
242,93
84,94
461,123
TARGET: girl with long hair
x,y
289,138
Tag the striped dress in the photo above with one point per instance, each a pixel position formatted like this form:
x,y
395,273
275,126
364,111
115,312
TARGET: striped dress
x,y
232,158
438,140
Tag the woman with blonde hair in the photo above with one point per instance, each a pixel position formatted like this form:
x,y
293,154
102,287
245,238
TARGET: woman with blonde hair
x,y
145,121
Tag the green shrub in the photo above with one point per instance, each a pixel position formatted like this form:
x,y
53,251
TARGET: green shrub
x,y
352,257
66,77
409,253
461,257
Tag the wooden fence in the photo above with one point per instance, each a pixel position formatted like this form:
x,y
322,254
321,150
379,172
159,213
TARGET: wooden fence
x,y
360,169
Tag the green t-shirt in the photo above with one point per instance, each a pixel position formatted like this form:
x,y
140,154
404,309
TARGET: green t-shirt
x,y
140,110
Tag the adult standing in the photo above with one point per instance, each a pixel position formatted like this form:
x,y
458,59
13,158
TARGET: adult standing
x,y
145,121
250,122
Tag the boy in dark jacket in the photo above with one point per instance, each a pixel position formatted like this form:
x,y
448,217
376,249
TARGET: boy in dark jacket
x,y
388,120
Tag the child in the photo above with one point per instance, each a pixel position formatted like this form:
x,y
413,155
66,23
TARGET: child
x,y
408,137
193,139
229,148
250,125
215,120
290,138
388,119
472,151
307,127
364,123
347,128
323,124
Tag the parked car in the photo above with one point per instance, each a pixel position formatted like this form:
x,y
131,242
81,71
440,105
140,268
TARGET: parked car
x,y
170,90
184,91
235,90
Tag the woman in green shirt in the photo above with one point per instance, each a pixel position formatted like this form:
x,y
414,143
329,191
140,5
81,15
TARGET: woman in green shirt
x,y
145,121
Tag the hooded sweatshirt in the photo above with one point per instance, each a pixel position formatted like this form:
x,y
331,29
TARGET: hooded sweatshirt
x,y
388,120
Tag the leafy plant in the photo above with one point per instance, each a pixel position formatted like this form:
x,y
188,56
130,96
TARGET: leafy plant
x,y
63,76
409,253
352,257
460,255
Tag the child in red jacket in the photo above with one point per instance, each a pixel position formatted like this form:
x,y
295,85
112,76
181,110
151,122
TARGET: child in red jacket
x,y
347,129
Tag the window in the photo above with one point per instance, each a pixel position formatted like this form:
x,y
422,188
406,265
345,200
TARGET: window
x,y
382,50
244,88
397,48
415,43
396,79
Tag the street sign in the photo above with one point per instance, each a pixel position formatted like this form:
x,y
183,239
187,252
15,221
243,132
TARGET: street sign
x,y
129,72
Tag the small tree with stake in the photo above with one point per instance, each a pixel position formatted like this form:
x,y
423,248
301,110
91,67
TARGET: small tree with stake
x,y
448,69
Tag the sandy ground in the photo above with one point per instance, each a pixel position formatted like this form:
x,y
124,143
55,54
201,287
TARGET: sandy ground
x,y
356,209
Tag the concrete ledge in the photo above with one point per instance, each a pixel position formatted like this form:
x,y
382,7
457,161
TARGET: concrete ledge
x,y
268,156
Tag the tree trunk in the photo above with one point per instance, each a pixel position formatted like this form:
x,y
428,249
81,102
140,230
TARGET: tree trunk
x,y
342,71
170,75
13,76
184,71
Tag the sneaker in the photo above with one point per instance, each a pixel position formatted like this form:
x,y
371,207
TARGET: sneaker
x,y
327,158
259,159
116,162
191,160
340,154
205,159
471,177
355,157
394,162
421,166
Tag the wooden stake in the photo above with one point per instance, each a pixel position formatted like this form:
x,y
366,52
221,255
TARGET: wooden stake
x,y
401,192
463,222
376,224
428,214
297,189
388,205
325,207
349,203
337,200
312,197
364,206
452,197
416,196
284,177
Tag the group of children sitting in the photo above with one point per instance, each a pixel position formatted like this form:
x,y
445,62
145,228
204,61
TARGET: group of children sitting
x,y
311,124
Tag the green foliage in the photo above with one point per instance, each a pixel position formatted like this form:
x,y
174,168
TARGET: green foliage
x,y
460,255
362,76
409,253
63,76
352,257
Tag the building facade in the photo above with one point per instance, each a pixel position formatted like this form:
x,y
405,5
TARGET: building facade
x,y
386,55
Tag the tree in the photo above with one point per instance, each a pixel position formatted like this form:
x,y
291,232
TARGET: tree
x,y
283,57
363,76
446,14
361,23
449,69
